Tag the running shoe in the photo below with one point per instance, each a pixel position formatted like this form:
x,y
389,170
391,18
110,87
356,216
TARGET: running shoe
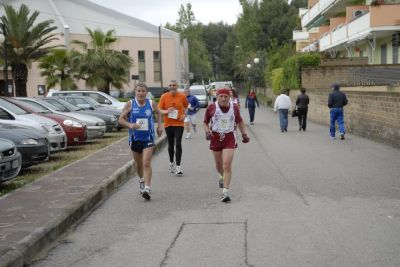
x,y
179,170
342,136
146,193
225,197
172,167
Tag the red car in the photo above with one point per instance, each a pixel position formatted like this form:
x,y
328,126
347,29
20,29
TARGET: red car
x,y
75,130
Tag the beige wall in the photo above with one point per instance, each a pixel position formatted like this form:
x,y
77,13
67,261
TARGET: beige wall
x,y
336,21
350,9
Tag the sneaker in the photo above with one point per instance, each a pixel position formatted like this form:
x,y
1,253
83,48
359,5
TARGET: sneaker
x,y
146,193
342,136
332,137
172,167
178,170
225,197
188,136
251,123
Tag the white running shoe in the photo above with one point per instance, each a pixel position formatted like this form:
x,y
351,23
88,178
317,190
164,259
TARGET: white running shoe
x,y
188,136
178,170
146,193
172,167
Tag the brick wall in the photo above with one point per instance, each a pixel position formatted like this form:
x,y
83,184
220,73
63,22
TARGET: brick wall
x,y
374,115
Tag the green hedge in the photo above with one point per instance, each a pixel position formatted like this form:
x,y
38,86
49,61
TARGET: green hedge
x,y
277,80
292,69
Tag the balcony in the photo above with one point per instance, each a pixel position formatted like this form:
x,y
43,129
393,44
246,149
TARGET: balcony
x,y
315,12
383,19
300,36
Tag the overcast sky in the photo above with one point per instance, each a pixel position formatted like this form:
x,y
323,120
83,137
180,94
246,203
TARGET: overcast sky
x,y
159,12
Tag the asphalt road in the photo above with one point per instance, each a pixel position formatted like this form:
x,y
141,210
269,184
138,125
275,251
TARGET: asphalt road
x,y
298,199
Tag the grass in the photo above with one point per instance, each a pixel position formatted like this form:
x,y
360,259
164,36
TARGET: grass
x,y
61,159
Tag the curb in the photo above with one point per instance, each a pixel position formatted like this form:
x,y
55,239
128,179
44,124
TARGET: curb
x,y
25,250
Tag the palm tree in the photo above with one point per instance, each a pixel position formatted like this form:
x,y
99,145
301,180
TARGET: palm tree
x,y
100,65
26,42
60,68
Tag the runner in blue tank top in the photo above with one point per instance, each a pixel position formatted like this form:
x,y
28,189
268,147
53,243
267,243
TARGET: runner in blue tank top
x,y
137,116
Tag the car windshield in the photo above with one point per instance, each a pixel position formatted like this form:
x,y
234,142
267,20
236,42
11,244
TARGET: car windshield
x,y
47,105
13,108
63,103
92,102
34,108
198,91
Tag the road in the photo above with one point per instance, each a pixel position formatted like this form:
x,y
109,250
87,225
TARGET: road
x,y
298,199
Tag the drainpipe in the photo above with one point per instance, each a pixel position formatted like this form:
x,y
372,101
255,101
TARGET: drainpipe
x,y
62,22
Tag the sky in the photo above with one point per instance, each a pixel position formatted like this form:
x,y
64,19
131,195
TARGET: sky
x,y
159,12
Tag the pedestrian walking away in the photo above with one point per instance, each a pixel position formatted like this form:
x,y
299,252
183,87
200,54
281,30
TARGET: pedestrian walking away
x,y
283,104
173,106
302,102
137,116
190,120
234,97
336,101
220,122
251,101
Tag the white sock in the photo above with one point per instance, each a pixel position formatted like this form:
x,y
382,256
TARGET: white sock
x,y
225,190
147,187
141,180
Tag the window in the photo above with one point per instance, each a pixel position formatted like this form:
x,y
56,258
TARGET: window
x,y
142,66
157,66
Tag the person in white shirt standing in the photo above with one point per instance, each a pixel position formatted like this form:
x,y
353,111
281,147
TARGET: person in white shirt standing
x,y
283,104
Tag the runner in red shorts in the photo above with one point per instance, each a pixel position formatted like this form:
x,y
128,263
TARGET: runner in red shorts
x,y
220,122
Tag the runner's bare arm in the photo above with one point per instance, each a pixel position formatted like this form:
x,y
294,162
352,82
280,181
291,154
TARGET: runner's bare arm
x,y
123,118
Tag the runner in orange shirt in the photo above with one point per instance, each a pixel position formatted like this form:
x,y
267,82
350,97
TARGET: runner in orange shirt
x,y
174,106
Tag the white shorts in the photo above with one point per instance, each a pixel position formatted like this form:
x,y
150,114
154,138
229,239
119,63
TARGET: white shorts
x,y
191,118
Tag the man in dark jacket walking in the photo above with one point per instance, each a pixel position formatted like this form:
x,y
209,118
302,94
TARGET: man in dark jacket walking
x,y
336,101
302,102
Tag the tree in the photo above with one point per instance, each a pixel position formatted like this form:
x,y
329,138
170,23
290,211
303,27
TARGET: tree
x,y
26,42
186,25
60,67
100,65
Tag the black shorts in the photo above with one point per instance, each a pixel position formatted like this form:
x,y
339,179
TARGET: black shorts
x,y
138,146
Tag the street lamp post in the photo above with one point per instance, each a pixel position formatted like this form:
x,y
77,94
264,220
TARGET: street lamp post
x,y
3,39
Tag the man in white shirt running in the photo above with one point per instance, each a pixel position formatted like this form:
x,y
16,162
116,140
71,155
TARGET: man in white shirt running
x,y
283,104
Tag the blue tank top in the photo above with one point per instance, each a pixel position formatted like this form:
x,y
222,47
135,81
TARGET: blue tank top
x,y
142,115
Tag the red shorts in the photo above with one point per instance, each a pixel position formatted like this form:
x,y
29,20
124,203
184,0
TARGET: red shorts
x,y
219,142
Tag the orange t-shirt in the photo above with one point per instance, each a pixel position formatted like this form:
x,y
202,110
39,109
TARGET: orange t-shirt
x,y
179,102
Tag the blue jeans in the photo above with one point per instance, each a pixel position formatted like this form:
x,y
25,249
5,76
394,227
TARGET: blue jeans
x,y
337,115
283,119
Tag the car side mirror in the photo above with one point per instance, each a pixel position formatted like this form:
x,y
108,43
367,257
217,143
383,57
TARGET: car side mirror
x,y
108,102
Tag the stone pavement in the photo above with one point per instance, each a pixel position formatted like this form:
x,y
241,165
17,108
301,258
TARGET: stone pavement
x,y
36,215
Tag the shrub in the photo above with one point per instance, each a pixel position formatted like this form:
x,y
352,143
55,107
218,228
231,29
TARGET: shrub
x,y
277,80
292,69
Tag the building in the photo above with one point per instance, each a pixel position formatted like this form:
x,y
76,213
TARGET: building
x,y
367,29
137,38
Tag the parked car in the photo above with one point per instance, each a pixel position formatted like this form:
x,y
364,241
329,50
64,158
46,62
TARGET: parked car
x,y
31,143
111,121
88,104
95,127
10,160
12,114
200,92
102,98
75,130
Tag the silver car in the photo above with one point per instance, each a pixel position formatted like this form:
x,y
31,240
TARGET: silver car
x,y
95,127
10,160
200,92
12,114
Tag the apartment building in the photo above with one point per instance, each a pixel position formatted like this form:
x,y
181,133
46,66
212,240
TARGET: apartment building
x,y
347,29
138,39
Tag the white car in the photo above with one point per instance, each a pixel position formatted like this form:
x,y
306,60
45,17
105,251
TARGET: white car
x,y
102,98
12,114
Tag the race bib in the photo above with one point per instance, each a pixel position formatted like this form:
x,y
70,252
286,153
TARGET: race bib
x,y
173,114
225,123
144,124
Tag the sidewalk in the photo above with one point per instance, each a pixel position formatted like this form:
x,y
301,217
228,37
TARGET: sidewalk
x,y
33,217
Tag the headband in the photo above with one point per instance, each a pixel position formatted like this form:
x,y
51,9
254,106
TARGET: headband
x,y
224,91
